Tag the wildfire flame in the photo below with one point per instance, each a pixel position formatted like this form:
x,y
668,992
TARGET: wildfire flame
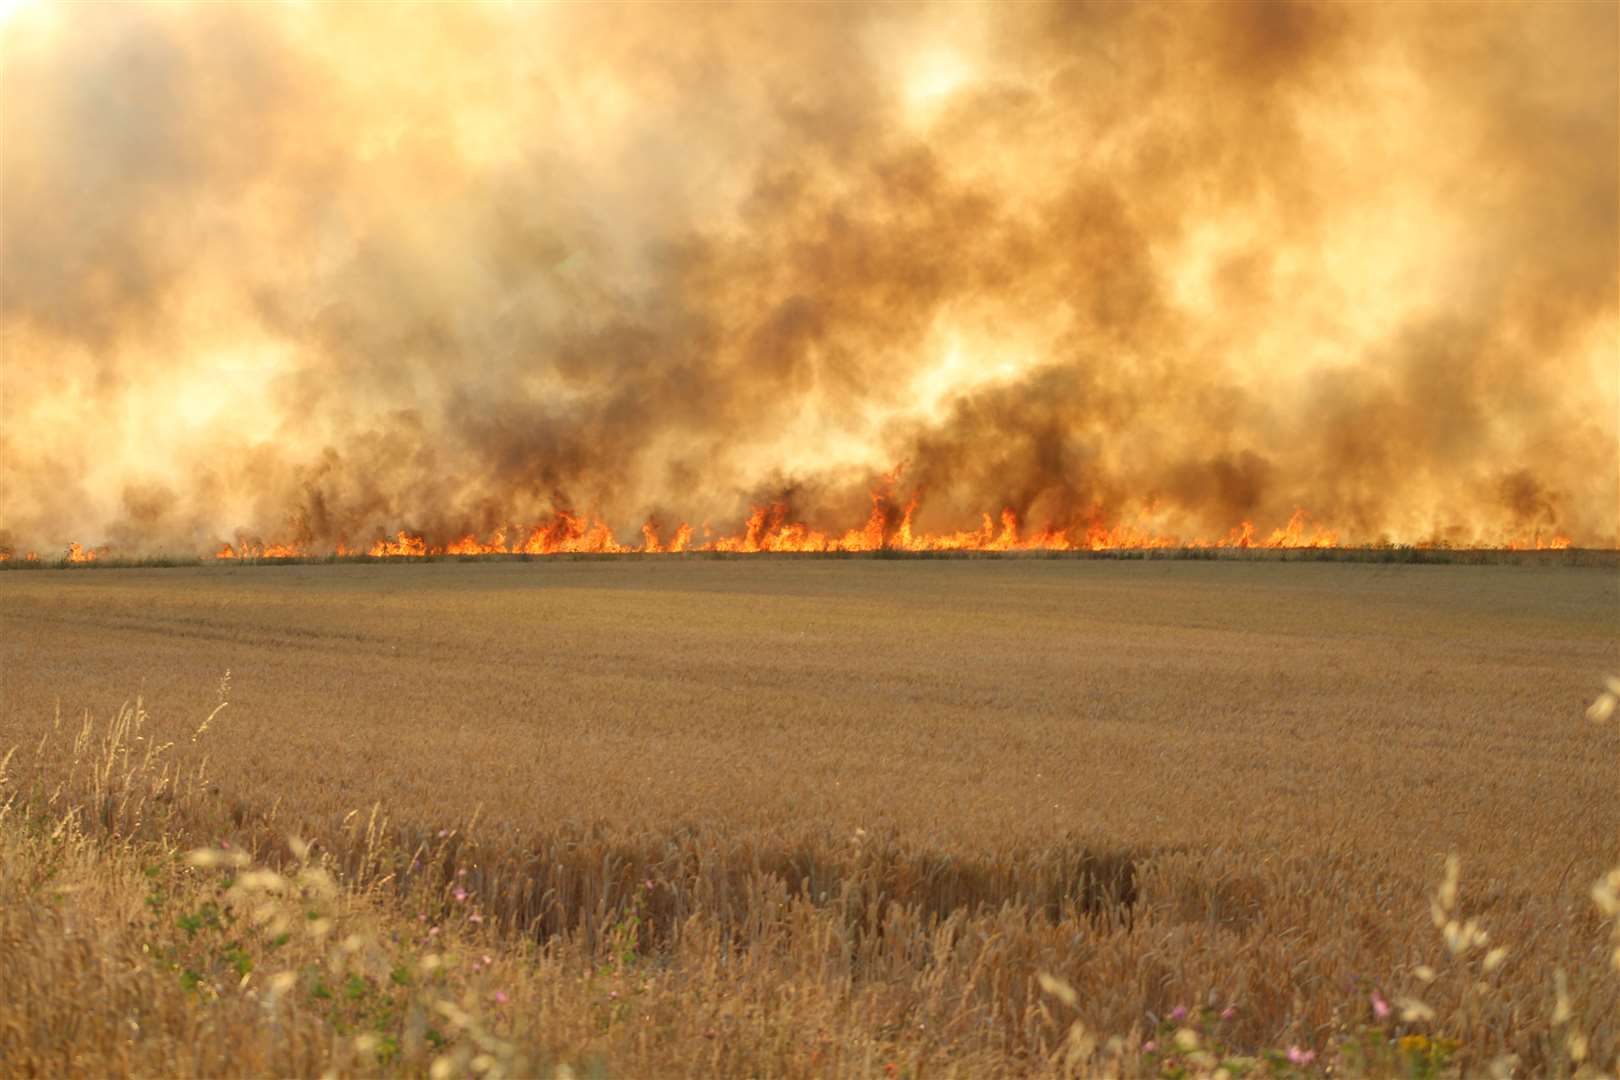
x,y
772,527
248,549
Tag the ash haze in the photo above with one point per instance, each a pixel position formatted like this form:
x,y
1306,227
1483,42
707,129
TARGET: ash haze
x,y
314,274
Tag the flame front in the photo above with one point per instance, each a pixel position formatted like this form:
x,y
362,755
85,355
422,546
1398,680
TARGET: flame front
x,y
251,549
773,528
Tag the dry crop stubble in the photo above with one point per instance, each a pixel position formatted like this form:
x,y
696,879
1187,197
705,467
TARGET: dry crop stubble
x,y
902,790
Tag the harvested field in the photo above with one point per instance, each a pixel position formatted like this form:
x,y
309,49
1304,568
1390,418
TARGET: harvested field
x,y
1162,782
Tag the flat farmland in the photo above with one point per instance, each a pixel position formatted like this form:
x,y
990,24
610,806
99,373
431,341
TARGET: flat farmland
x,y
1278,751
1417,709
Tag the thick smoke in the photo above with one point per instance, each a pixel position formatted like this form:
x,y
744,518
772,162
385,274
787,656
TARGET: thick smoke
x,y
319,273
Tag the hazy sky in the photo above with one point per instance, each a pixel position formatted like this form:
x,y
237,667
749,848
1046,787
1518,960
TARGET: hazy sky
x,y
315,272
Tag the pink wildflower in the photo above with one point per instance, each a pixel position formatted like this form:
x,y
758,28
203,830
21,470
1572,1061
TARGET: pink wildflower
x,y
1380,1006
475,918
500,997
1301,1057
1149,1046
461,895
1179,1013
1229,1012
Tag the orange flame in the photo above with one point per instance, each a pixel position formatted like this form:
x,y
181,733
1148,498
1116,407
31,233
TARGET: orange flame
x,y
252,549
1294,535
1537,542
773,527
406,545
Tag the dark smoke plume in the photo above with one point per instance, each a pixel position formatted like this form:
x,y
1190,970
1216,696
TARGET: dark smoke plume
x,y
319,273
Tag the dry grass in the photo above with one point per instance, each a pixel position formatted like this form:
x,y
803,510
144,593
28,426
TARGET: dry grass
x,y
793,818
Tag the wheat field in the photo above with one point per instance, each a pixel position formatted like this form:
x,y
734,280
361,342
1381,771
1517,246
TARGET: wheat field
x,y
801,817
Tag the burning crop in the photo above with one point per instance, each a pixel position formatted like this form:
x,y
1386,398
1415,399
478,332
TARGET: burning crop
x,y
773,528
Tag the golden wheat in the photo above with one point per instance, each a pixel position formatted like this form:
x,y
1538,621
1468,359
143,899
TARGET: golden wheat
x,y
821,865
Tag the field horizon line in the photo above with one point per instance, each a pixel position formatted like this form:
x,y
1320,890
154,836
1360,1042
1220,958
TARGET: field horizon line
x,y
1390,554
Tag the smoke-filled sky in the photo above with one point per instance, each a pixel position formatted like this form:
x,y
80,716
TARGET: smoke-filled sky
x,y
319,272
